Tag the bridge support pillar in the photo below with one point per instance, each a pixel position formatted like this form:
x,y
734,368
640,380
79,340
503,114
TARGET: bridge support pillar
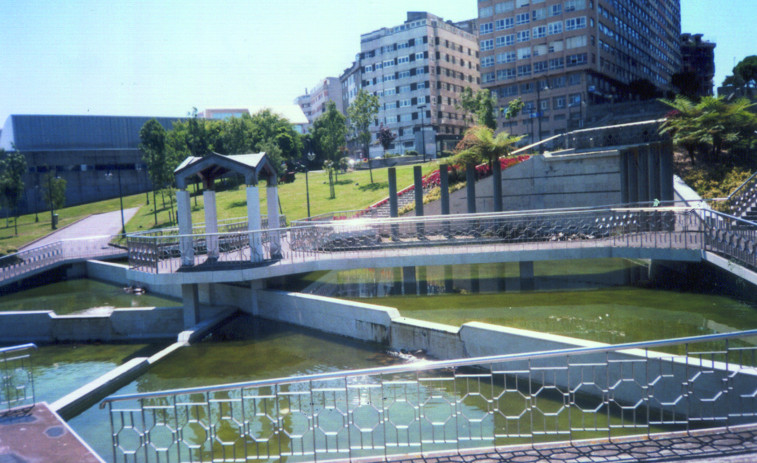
x,y
253,308
396,281
449,282
470,179
526,275
644,174
501,277
444,187
393,203
254,223
184,212
191,299
408,280
633,175
475,282
497,190
653,161
624,165
272,200
211,223
422,281
666,171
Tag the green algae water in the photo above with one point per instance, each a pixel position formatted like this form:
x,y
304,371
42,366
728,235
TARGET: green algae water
x,y
73,296
601,300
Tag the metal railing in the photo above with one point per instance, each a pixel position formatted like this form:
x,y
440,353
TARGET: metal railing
x,y
743,197
17,385
565,394
730,236
678,228
24,262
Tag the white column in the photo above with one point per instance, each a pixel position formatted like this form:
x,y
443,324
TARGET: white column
x,y
272,198
211,223
254,223
184,211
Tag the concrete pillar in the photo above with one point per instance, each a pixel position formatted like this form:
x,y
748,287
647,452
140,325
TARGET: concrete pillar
x,y
418,184
191,300
653,172
501,277
184,211
422,281
396,281
470,179
526,275
666,171
449,282
643,177
253,308
272,200
254,222
211,223
444,187
475,283
393,202
623,176
408,280
497,190
633,178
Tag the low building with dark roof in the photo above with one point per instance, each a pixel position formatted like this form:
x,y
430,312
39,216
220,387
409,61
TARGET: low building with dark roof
x,y
84,150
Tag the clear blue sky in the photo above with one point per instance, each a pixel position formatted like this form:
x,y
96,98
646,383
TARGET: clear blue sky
x,y
161,58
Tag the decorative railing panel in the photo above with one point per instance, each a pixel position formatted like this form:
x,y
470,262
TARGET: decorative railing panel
x,y
447,405
16,379
744,197
731,237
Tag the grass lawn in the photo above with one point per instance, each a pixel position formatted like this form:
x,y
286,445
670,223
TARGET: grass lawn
x,y
353,191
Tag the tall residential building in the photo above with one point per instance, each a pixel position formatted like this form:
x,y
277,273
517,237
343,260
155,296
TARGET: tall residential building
x,y
560,56
418,70
313,103
699,61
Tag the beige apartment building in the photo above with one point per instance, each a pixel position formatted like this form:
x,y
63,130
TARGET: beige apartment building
x,y
561,56
418,70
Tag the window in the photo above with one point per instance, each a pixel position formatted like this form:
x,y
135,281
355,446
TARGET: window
x,y
506,74
403,74
524,53
574,79
405,103
388,63
402,45
575,42
505,40
485,12
504,7
540,50
575,60
554,28
558,82
403,59
422,99
539,14
524,70
487,61
556,63
558,102
486,28
389,92
487,77
404,89
504,24
555,46
574,99
487,45
391,119
419,56
572,24
574,5
555,10
527,88
389,78
544,105
522,18
507,57
422,85
540,66
539,32
368,68
524,36
521,3
420,71
377,66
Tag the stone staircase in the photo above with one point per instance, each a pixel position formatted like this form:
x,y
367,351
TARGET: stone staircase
x,y
743,200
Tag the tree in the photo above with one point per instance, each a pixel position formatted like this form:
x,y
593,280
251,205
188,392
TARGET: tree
x,y
744,75
686,83
385,137
152,138
329,132
362,113
514,107
481,105
53,193
481,145
12,171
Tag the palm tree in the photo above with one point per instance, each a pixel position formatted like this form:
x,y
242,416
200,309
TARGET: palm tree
x,y
480,144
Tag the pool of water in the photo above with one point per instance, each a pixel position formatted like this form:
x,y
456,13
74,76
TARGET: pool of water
x,y
73,296
600,300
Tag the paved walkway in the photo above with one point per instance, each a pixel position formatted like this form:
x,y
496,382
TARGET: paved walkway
x,y
106,224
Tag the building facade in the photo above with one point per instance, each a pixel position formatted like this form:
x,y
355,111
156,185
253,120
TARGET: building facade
x,y
418,70
698,60
561,56
313,103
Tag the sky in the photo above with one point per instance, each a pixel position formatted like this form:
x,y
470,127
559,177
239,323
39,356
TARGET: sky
x,y
164,57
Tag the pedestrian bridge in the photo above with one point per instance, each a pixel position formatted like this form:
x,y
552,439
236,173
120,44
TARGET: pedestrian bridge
x,y
658,233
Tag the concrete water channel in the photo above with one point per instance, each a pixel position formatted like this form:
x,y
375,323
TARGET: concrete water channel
x,y
606,300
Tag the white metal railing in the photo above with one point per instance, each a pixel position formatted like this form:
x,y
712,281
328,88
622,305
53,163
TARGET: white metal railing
x,y
16,379
447,405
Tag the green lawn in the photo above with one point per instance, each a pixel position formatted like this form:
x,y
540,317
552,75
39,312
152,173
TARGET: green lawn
x,y
353,191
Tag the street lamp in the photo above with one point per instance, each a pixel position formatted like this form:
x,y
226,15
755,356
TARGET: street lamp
x,y
422,109
35,194
311,157
109,176
538,104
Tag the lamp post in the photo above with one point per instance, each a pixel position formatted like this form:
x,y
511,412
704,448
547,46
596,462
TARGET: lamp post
x,y
538,104
109,176
310,157
52,200
35,194
422,109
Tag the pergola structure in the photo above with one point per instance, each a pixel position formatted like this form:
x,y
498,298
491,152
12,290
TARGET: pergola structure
x,y
253,167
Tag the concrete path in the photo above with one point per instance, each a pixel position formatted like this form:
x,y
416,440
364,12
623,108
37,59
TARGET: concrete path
x,y
106,224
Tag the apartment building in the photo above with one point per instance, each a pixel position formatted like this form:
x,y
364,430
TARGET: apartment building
x,y
698,60
313,102
561,56
418,70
